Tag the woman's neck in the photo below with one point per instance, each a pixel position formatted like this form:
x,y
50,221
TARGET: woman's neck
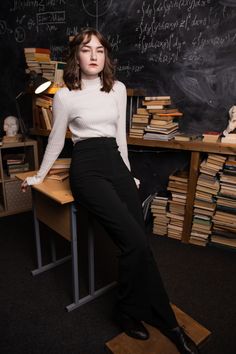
x,y
86,83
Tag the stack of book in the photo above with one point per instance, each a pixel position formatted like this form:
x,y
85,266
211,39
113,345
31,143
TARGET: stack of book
x,y
178,186
60,169
43,112
205,199
224,221
163,124
34,57
48,70
159,212
139,121
15,163
38,60
213,164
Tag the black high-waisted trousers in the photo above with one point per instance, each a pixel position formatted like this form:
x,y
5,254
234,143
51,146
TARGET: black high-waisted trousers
x,y
101,182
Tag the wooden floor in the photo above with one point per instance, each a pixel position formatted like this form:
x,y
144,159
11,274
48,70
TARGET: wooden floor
x,y
158,343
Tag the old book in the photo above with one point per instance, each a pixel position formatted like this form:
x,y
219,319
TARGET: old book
x,y
46,118
60,176
156,102
151,98
62,163
211,136
179,175
37,50
186,137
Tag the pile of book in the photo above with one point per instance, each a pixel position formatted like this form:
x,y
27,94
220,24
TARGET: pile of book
x,y
15,163
178,186
205,199
139,121
60,169
43,112
163,124
159,212
35,57
224,220
38,60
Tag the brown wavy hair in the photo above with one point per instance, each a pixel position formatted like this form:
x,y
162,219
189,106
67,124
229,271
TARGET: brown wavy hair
x,y
72,73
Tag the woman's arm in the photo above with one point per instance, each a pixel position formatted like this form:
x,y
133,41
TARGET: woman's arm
x,y
55,144
121,99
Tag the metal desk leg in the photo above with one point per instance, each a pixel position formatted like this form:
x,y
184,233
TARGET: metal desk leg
x,y
74,253
91,260
92,292
37,236
42,268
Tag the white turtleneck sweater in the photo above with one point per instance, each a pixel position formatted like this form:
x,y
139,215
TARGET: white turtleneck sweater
x,y
88,113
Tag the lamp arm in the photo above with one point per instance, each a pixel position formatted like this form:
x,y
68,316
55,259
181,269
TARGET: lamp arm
x,y
21,122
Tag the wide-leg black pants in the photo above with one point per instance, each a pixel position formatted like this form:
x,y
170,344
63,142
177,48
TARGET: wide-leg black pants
x,y
101,182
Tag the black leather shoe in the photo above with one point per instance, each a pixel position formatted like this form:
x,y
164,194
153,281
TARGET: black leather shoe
x,y
184,344
132,327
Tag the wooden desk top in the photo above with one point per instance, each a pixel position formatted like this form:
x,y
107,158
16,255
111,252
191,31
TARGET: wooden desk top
x,y
56,190
193,145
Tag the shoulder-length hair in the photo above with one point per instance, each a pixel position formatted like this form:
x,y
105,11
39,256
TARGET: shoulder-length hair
x,y
72,73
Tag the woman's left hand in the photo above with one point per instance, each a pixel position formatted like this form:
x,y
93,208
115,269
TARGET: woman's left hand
x,y
137,182
24,185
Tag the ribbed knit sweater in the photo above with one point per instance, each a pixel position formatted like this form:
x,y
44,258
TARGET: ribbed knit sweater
x,y
88,113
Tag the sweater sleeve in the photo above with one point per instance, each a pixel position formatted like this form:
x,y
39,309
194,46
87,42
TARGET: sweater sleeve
x,y
121,98
56,140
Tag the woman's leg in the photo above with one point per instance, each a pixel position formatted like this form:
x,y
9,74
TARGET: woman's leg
x,y
106,188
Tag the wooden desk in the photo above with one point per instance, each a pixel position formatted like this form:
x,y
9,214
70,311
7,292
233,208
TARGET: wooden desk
x,y
54,205
195,147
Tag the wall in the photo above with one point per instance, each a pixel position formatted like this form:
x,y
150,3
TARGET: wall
x,y
183,48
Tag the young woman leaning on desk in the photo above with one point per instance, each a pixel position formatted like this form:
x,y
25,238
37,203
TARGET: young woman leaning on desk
x,y
93,106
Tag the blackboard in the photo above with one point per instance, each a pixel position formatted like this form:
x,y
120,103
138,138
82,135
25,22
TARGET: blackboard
x,y
182,48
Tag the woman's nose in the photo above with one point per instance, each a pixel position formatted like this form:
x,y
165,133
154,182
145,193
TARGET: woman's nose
x,y
93,55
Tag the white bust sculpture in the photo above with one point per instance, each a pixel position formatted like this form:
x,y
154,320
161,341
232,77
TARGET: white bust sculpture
x,y
231,122
11,126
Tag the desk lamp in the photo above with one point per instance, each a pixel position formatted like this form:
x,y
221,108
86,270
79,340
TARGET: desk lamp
x,y
36,84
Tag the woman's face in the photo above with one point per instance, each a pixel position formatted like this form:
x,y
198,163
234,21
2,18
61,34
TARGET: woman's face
x,y
91,58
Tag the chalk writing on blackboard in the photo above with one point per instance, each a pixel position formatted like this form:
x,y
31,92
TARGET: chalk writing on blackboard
x,y
96,8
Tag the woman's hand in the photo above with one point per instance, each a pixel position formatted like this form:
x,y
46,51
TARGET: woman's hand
x,y
24,186
137,182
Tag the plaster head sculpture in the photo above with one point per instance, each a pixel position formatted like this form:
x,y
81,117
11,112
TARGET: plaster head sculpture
x,y
11,126
231,122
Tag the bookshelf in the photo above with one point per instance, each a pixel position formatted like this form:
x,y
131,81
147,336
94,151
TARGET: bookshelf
x,y
12,200
195,148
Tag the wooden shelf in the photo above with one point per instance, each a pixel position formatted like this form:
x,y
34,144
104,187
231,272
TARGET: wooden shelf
x,y
196,148
12,200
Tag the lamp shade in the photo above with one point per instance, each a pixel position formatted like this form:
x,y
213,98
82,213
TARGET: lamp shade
x,y
37,83
41,84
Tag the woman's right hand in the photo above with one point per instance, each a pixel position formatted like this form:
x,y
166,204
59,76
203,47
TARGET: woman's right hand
x,y
24,186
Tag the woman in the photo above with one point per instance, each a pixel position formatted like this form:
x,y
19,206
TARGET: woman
x,y
93,105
